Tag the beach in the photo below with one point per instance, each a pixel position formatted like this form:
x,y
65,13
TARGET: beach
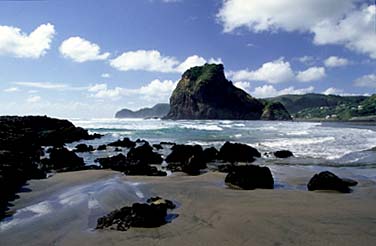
x,y
208,213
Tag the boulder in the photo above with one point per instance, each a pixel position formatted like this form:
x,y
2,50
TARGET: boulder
x,y
250,177
283,154
144,154
237,152
181,153
83,148
102,147
210,154
329,181
125,142
61,159
147,215
129,167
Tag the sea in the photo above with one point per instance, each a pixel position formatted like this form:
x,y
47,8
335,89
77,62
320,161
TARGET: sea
x,y
333,144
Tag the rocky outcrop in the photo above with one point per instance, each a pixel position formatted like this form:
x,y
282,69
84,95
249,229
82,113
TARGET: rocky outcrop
x,y
329,181
21,141
144,154
158,111
237,152
249,177
125,142
283,154
186,158
153,213
275,111
83,148
129,166
204,93
61,159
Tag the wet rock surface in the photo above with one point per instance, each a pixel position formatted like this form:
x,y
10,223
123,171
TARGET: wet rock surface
x,y
249,177
329,181
237,152
283,154
151,214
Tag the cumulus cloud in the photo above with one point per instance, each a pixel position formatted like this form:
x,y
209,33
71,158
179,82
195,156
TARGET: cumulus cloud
x,y
147,60
16,43
342,22
273,72
270,91
308,60
368,80
311,74
333,91
33,99
245,86
155,91
154,61
335,61
81,50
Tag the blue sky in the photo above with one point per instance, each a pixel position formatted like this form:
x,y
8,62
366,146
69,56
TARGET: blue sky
x,y
91,58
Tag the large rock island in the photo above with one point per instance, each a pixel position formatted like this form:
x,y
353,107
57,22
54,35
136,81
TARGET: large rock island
x,y
204,93
157,111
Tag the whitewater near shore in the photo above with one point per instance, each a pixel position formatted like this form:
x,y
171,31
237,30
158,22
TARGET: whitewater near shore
x,y
62,210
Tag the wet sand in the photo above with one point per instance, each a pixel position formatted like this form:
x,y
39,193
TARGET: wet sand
x,y
62,211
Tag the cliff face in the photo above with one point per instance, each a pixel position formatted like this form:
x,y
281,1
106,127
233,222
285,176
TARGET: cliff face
x,y
204,93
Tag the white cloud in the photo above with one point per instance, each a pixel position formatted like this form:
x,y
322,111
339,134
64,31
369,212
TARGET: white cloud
x,y
308,60
16,43
154,61
366,81
335,61
273,72
245,86
42,85
311,74
343,22
191,61
156,91
148,60
269,91
33,99
333,91
105,75
11,89
50,86
81,50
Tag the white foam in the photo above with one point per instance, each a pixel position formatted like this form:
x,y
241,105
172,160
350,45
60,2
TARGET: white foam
x,y
202,127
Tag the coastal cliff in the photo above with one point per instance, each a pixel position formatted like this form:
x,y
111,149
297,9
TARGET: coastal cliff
x,y
204,93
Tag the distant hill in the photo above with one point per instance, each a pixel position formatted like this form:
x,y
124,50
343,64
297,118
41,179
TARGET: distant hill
x,y
203,92
329,107
159,110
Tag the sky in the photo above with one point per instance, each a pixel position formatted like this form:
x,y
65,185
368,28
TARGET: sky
x,y
88,59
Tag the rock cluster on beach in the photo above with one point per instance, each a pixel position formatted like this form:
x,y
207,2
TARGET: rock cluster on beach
x,y
21,141
153,213
204,93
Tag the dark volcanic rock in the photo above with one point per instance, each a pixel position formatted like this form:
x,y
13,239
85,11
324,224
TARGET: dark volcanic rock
x,y
129,167
21,141
210,154
329,181
283,154
147,215
144,154
157,146
126,143
102,147
237,152
204,93
181,153
83,148
250,177
61,159
186,158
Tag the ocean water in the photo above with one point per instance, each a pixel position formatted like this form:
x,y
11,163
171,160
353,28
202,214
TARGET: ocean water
x,y
328,144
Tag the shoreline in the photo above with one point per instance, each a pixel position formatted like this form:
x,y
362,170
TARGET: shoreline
x,y
206,209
